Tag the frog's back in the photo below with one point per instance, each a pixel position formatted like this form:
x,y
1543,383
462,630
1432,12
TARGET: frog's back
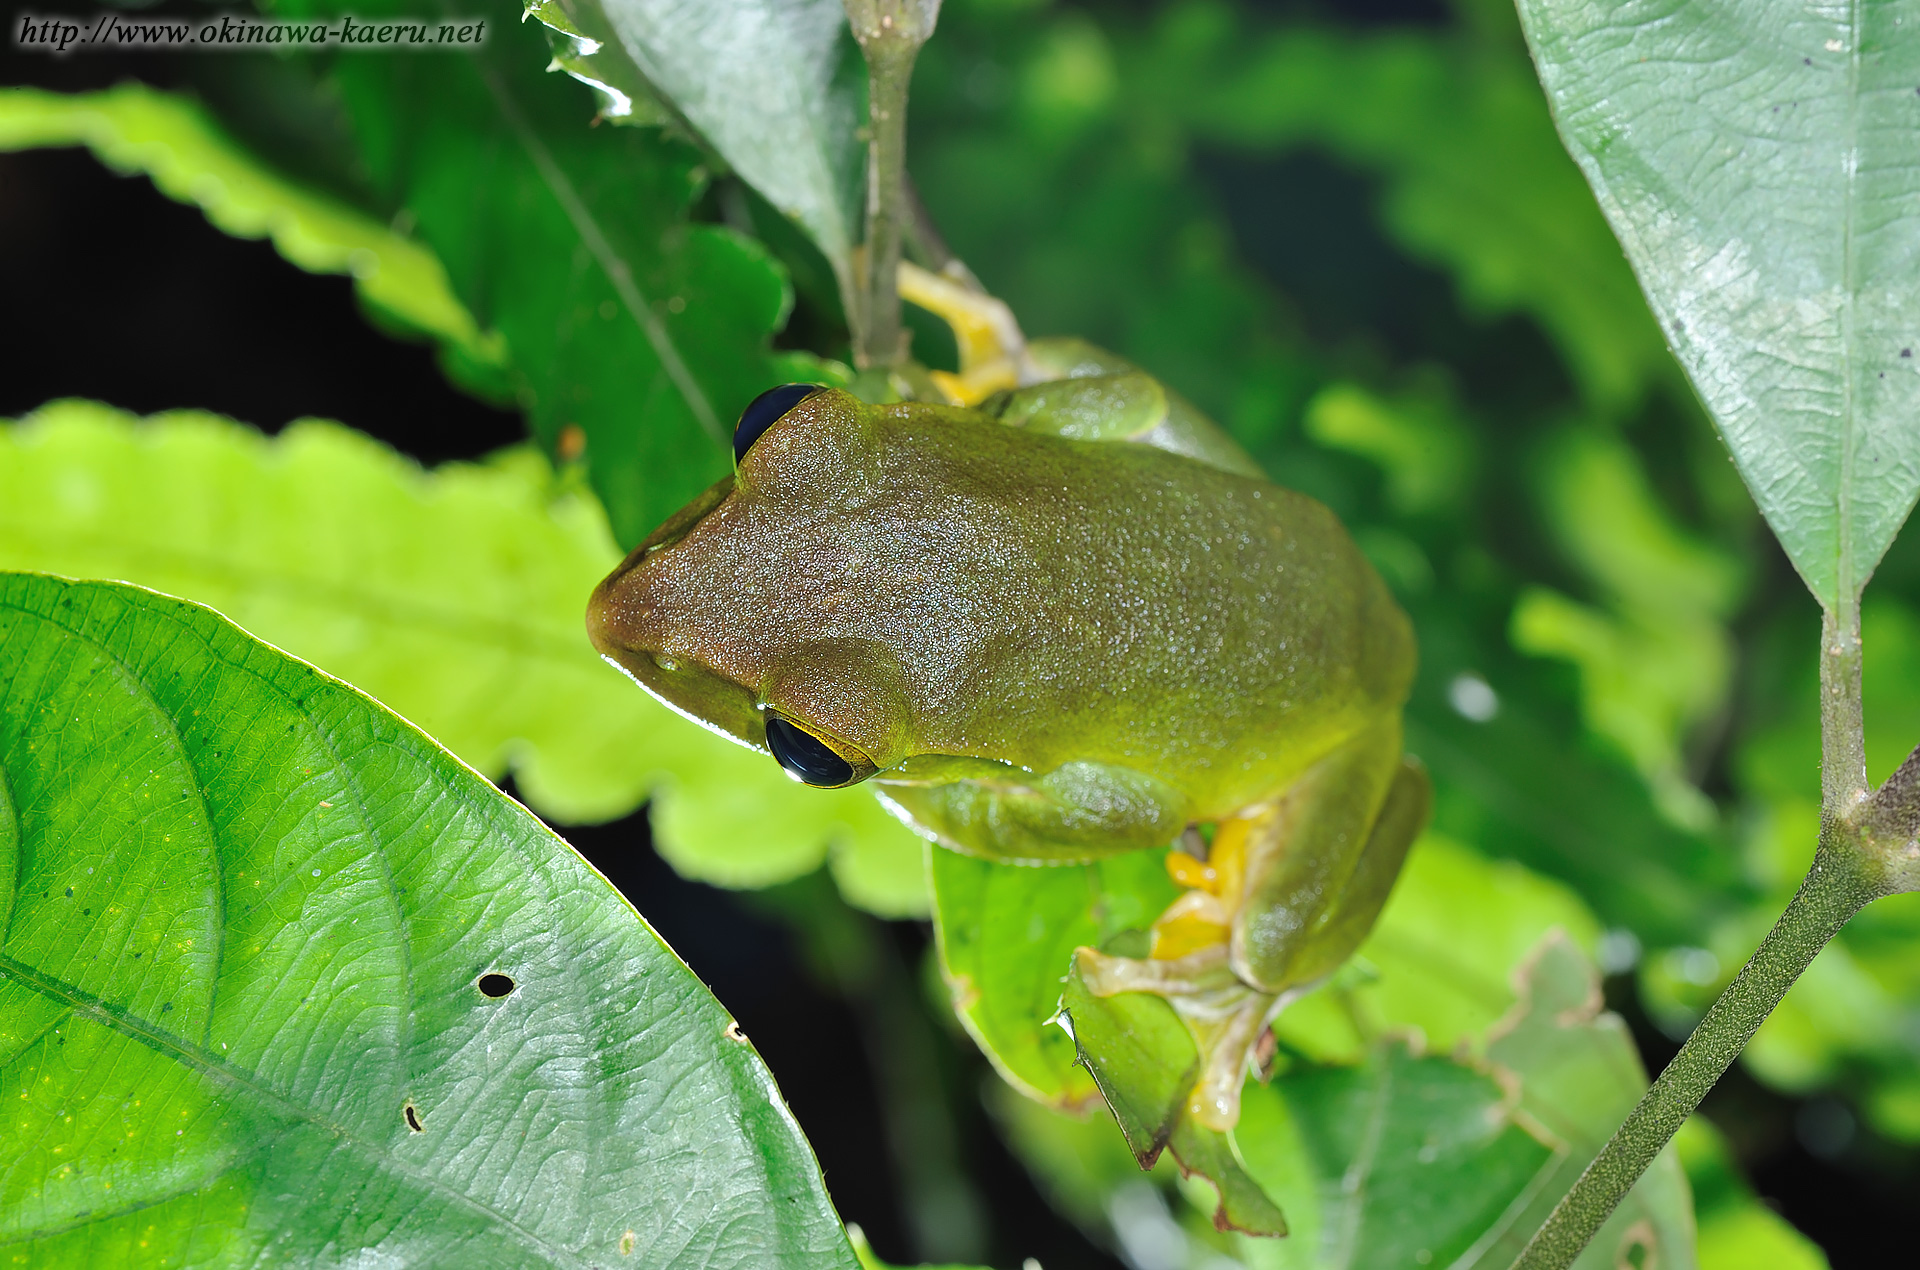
x,y
1116,603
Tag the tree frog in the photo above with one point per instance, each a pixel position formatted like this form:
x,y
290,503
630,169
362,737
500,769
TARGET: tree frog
x,y
1069,620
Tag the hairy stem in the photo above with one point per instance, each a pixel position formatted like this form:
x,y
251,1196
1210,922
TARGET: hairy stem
x,y
1843,739
1844,878
890,33
1834,890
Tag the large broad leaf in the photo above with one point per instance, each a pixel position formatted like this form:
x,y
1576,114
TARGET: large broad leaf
x,y
637,334
134,128
776,87
456,597
1756,161
283,980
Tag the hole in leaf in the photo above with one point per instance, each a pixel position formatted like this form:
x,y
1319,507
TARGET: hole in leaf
x,y
413,1119
496,985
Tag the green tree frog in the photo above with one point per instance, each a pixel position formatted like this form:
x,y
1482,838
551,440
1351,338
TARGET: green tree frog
x,y
1072,620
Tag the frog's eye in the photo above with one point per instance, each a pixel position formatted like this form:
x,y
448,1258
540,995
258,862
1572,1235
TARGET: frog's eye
x,y
766,410
810,760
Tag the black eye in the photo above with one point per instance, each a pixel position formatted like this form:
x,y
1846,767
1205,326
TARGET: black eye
x,y
805,756
764,411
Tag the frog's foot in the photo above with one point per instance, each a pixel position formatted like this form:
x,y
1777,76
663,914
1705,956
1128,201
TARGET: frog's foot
x,y
1225,1017
1189,965
993,352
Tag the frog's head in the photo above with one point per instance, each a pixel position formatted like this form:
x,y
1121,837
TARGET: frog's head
x,y
744,611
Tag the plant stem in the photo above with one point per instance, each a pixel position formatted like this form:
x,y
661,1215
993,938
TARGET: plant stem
x,y
1843,738
1843,880
1835,888
890,33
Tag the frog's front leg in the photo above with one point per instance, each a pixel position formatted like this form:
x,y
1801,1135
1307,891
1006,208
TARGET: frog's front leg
x,y
1289,889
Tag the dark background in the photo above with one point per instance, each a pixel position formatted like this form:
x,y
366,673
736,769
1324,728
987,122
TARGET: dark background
x,y
116,293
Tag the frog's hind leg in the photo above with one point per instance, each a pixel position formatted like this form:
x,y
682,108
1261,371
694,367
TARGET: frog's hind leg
x,y
1189,965
1215,1100
1299,869
1289,889
1347,922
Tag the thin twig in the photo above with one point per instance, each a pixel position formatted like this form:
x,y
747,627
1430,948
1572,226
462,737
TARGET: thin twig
x,y
1864,841
890,33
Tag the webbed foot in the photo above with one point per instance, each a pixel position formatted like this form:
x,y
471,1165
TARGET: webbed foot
x,y
1189,965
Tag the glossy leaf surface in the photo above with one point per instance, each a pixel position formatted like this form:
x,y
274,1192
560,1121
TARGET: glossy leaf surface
x,y
454,596
776,87
1756,161
283,979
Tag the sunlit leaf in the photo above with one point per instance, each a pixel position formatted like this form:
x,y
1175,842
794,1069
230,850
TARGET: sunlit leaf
x,y
457,597
283,980
1755,161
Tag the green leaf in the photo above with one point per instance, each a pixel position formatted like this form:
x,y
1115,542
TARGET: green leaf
x,y
134,128
1007,935
244,988
776,89
1379,1148
1412,1159
1579,1076
1143,1058
457,597
1754,161
1408,1159
639,329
